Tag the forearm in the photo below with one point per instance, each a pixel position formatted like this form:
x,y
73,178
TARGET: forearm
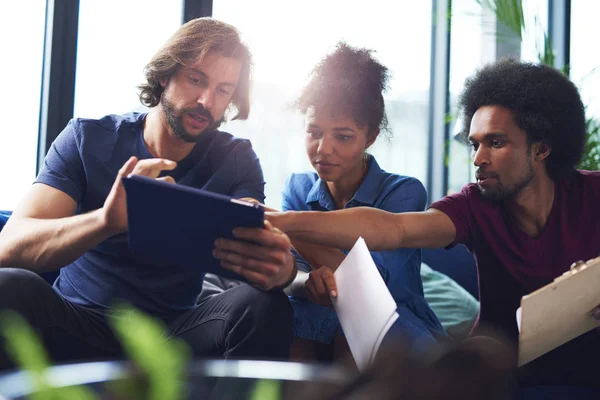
x,y
318,256
48,244
340,229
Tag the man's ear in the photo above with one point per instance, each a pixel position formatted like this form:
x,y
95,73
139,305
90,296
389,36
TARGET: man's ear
x,y
542,151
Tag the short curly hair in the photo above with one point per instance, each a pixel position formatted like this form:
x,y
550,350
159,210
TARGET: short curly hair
x,y
193,41
545,104
352,82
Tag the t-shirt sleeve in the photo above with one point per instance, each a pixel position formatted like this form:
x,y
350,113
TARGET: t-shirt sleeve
x,y
63,168
250,181
456,206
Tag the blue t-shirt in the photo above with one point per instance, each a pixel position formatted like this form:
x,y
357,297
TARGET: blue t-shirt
x,y
399,268
83,162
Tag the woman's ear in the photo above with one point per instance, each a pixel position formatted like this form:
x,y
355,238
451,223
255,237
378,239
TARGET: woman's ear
x,y
371,136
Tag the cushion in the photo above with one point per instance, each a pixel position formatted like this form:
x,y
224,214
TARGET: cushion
x,y
457,263
456,308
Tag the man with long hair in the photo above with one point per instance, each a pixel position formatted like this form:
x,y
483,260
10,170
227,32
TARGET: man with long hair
x,y
528,217
74,217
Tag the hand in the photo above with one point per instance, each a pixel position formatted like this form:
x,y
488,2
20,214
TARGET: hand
x,y
254,201
321,287
115,205
277,219
263,256
596,313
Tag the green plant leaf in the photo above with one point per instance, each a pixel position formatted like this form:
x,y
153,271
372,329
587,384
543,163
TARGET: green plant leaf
x,y
26,350
508,12
591,154
266,389
162,360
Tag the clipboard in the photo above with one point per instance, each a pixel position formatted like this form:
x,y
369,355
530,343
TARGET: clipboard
x,y
560,311
173,224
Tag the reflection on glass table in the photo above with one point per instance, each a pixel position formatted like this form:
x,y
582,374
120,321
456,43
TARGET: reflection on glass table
x,y
204,379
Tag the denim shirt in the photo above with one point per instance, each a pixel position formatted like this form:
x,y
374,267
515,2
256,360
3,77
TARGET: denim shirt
x,y
399,268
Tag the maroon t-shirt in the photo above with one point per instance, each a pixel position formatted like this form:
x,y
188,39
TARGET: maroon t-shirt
x,y
511,263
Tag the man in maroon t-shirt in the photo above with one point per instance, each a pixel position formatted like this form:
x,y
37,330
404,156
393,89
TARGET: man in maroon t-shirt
x,y
530,215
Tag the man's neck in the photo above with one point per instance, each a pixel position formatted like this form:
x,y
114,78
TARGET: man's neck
x,y
160,140
531,207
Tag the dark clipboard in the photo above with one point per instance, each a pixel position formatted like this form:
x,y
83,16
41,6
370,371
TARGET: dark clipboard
x,y
173,224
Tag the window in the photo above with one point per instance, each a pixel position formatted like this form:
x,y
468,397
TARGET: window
x,y
116,39
585,59
478,28
535,14
295,36
22,44
469,25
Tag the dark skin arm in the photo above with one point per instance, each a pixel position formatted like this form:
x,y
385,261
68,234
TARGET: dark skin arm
x,y
381,230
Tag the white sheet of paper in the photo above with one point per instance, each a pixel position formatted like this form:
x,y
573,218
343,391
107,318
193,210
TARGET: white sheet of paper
x,y
364,305
519,318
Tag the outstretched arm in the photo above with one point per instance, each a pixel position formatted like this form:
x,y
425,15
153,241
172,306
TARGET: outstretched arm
x,y
381,230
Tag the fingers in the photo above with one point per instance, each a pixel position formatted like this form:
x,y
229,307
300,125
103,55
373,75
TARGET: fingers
x,y
128,167
269,236
268,267
125,170
596,313
258,279
251,200
254,201
329,281
227,249
318,284
168,179
278,219
321,286
309,285
153,167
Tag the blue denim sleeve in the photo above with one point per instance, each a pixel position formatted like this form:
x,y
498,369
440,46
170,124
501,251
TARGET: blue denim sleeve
x,y
286,195
408,195
250,181
63,168
288,204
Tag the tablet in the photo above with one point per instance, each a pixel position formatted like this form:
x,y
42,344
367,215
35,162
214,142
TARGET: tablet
x,y
173,224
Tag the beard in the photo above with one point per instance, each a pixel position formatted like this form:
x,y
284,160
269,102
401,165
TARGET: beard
x,y
175,119
500,192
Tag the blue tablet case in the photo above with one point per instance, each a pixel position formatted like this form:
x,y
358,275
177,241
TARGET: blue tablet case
x,y
175,224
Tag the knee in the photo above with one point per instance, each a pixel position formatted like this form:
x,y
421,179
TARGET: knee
x,y
272,308
18,286
268,310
